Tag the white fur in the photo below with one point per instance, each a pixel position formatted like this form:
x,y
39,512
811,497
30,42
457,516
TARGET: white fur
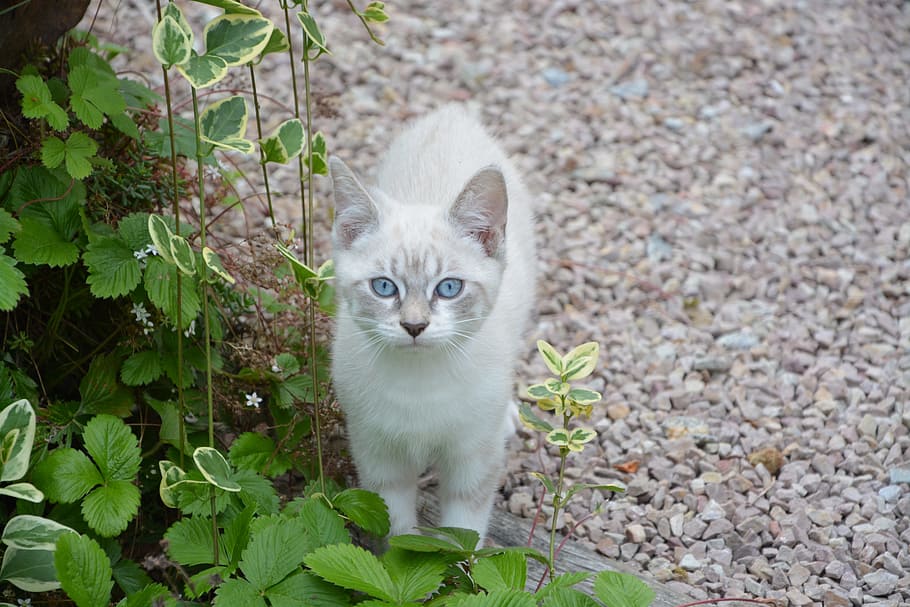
x,y
442,398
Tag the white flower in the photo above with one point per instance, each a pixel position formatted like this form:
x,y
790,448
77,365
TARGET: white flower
x,y
140,254
24,602
150,250
190,330
142,315
275,367
253,400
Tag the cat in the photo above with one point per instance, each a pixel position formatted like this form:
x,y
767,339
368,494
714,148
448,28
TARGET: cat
x,y
435,283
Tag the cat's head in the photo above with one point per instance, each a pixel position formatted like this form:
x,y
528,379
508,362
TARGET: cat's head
x,y
418,275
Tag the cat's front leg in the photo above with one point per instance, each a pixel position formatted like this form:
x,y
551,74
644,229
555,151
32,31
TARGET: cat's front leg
x,y
469,479
393,478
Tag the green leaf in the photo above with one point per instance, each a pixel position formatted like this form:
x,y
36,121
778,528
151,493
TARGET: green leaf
x,y
365,509
234,592
426,543
584,396
556,387
237,38
415,574
113,447
17,435
183,255
23,491
213,263
253,451
223,124
354,568
39,243
171,44
215,468
37,102
546,480
169,431
231,6
84,570
563,582
539,391
502,571
579,437
580,361
622,590
306,590
76,153
33,532
150,595
12,283
189,541
203,70
274,551
284,143
161,234
94,97
375,12
100,390
616,487
134,230
316,162
466,538
110,508
568,597
324,526
313,37
551,357
141,368
65,475
257,491
113,270
161,286
558,437
29,570
129,576
173,11
237,535
278,43
8,225
530,420
499,598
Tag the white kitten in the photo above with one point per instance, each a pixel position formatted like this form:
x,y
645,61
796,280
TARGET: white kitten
x,y
435,270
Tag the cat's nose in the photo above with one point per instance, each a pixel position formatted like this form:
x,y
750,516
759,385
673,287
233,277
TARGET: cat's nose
x,y
414,328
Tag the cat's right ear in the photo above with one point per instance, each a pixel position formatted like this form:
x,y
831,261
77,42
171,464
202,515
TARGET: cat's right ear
x,y
355,212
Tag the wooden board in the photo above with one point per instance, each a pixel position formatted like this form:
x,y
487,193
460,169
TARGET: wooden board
x,y
509,530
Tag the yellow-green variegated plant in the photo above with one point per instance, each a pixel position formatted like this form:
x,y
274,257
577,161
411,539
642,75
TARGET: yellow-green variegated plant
x,y
568,403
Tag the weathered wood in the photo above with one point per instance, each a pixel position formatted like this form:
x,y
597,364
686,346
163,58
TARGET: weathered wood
x,y
509,530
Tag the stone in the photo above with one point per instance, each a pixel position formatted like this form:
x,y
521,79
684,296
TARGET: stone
x,y
714,364
617,411
712,511
880,582
689,563
836,597
899,475
798,575
636,534
738,340
631,89
890,493
716,528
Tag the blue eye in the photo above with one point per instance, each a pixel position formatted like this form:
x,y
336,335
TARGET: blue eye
x,y
449,288
383,287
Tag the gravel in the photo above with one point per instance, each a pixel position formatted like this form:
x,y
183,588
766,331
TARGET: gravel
x,y
723,206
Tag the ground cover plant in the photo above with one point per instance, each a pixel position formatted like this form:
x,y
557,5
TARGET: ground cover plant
x,y
130,473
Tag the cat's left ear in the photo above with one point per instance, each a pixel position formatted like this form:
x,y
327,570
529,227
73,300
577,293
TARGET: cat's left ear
x,y
481,209
355,213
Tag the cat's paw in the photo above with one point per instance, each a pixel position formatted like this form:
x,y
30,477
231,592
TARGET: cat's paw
x,y
513,420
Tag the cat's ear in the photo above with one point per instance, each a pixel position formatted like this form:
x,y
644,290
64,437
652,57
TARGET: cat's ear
x,y
480,210
355,212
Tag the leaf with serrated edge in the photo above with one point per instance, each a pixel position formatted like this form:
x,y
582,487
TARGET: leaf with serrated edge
x,y
12,283
354,568
141,368
622,590
189,541
113,447
84,570
215,468
305,590
113,270
33,532
274,551
65,475
502,571
234,591
110,508
550,356
580,361
365,508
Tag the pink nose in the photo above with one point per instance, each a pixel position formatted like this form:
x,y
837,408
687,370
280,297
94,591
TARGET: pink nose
x,y
414,328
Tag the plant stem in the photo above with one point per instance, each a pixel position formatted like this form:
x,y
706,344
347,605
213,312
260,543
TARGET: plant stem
x,y
293,66
557,506
311,255
265,170
175,203
210,400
